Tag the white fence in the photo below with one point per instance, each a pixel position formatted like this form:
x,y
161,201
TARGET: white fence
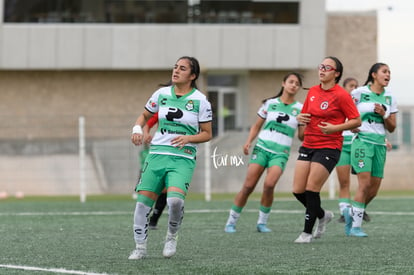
x,y
97,157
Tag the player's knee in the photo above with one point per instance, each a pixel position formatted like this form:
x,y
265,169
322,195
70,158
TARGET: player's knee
x,y
175,202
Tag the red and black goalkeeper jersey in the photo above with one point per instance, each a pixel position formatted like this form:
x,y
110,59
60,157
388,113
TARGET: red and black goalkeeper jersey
x,y
334,106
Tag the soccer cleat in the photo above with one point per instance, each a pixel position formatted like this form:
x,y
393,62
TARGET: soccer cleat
x,y
341,219
357,232
304,238
170,246
366,217
139,252
322,224
262,228
348,220
230,228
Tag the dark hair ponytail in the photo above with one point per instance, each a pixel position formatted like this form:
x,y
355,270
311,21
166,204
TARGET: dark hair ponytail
x,y
300,78
374,69
339,67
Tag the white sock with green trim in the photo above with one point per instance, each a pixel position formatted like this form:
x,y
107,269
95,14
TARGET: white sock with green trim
x,y
233,217
342,206
263,217
264,213
357,215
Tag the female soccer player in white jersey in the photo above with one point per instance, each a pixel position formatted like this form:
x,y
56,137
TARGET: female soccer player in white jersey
x,y
378,109
275,127
343,167
184,119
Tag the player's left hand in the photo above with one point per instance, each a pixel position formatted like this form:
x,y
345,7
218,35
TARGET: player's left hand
x,y
327,128
379,109
180,141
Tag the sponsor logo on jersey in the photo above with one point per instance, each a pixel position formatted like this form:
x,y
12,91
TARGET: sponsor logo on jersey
x,y
174,113
152,104
165,131
282,117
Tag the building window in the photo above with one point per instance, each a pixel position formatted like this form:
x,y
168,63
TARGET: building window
x,y
245,12
151,11
222,93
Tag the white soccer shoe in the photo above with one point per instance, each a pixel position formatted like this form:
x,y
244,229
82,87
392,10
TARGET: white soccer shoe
x,y
304,238
322,224
139,252
170,246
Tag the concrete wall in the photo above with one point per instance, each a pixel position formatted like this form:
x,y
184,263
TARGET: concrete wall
x,y
157,46
353,38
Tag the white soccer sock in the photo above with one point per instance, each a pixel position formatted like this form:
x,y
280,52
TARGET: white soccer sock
x,y
357,215
141,222
233,217
263,217
175,214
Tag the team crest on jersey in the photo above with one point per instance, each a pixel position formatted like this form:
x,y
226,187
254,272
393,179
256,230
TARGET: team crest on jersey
x,y
254,156
295,112
388,100
324,105
361,163
190,105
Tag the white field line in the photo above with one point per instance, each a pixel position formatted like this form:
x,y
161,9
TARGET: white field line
x,y
116,213
52,270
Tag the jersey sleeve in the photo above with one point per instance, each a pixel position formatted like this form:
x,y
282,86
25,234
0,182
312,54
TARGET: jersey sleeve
x,y
306,103
152,103
394,108
349,107
356,95
262,112
205,114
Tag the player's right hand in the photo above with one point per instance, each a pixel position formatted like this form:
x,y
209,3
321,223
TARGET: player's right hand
x,y
136,139
246,148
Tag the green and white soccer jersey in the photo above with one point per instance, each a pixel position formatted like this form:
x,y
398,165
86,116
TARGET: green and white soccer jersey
x,y
279,128
177,116
372,129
